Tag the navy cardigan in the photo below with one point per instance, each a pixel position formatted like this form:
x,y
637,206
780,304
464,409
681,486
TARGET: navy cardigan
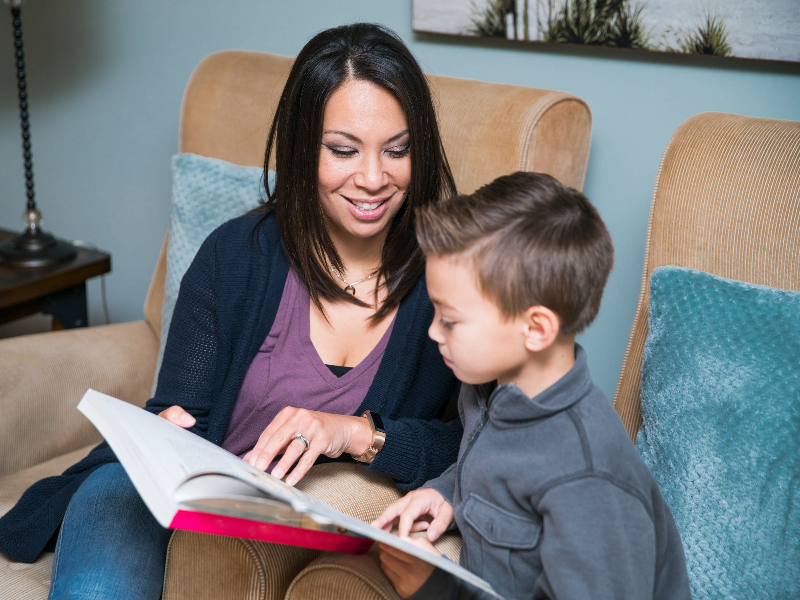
x,y
227,303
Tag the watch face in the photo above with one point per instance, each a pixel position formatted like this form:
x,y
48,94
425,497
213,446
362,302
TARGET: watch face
x,y
376,420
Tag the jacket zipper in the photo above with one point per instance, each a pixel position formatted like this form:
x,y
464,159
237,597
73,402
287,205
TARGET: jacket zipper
x,y
476,432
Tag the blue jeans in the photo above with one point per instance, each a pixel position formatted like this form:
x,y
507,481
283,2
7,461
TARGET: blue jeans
x,y
110,546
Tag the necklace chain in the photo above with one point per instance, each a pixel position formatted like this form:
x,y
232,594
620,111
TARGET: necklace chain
x,y
350,287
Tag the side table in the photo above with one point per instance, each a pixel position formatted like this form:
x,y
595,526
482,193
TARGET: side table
x,y
58,290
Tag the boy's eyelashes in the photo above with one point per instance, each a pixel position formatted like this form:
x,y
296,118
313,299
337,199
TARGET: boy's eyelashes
x,y
445,323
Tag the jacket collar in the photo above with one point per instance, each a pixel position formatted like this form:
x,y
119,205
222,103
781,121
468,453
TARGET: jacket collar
x,y
509,405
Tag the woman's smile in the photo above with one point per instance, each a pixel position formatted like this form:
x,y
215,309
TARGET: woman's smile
x,y
368,209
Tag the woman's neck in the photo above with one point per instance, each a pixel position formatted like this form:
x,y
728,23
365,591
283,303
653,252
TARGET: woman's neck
x,y
360,256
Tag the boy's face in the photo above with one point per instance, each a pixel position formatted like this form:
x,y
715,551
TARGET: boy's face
x,y
475,339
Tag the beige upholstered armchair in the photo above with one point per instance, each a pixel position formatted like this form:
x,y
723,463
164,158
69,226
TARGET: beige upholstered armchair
x,y
488,130
727,202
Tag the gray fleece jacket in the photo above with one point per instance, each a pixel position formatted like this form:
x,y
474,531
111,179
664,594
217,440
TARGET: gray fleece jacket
x,y
553,501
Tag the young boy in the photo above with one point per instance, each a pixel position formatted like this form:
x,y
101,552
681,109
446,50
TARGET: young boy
x,y
548,492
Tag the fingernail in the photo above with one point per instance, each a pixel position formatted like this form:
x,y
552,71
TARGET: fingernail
x,y
278,473
187,419
432,534
261,464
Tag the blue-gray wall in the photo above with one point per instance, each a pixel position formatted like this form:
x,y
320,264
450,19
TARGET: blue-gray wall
x,y
106,80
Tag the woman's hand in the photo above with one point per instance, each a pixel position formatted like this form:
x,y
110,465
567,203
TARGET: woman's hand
x,y
407,573
175,414
419,503
331,435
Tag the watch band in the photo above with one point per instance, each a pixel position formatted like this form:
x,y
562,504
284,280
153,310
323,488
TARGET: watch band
x,y
378,438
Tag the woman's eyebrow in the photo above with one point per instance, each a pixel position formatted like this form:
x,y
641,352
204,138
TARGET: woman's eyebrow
x,y
353,138
397,137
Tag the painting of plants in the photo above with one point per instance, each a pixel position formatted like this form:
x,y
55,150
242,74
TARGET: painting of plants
x,y
763,29
711,37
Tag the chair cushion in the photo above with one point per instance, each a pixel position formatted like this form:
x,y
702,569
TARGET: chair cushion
x,y
358,577
206,192
721,428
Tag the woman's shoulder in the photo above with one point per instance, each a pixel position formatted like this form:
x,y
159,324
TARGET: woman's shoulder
x,y
417,296
249,232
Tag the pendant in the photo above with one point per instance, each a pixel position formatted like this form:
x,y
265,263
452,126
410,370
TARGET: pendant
x,y
350,290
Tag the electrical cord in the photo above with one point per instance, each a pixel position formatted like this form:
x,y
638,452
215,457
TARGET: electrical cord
x,y
88,246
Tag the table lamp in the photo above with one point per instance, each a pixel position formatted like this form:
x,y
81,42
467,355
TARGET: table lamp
x,y
33,247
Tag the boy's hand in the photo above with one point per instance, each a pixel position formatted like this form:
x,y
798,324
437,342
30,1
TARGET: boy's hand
x,y
421,502
407,573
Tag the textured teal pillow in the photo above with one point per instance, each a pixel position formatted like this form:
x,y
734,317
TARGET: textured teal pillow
x,y
206,192
721,431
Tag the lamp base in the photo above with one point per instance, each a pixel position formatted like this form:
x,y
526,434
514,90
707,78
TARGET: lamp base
x,y
34,248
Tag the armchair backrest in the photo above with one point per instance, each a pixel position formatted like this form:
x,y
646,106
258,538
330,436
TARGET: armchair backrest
x,y
488,129
727,202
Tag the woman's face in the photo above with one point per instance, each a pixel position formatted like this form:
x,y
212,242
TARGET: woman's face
x,y
364,164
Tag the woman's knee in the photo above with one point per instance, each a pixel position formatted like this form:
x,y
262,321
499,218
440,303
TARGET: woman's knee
x,y
105,490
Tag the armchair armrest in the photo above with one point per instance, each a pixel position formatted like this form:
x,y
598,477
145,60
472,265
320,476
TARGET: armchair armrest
x,y
44,376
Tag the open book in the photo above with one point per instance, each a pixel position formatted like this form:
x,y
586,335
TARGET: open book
x,y
189,483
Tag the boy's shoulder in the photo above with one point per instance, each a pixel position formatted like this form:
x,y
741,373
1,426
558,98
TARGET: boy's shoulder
x,y
567,432
588,440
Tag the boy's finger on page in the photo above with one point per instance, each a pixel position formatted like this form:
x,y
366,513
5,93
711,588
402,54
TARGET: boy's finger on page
x,y
404,524
390,513
415,509
440,522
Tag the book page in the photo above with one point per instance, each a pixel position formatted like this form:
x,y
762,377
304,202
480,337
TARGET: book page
x,y
159,456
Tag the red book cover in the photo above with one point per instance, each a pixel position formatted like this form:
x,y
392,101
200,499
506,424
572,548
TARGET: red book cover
x,y
269,532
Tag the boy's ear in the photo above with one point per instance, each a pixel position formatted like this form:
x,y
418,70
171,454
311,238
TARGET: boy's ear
x,y
541,328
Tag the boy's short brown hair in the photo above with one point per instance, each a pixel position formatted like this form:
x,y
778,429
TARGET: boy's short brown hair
x,y
534,242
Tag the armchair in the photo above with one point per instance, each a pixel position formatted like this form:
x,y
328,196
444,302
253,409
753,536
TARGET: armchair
x,y
718,389
725,202
488,130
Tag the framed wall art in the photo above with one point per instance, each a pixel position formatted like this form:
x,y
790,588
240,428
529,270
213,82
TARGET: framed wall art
x,y
760,29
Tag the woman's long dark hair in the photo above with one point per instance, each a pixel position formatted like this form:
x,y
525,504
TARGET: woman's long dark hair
x,y
367,52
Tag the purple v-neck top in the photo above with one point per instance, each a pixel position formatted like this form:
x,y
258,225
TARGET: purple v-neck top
x,y
287,371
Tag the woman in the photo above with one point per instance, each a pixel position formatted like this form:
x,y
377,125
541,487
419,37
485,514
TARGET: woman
x,y
292,322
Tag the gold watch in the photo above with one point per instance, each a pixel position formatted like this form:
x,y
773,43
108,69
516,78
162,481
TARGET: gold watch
x,y
378,437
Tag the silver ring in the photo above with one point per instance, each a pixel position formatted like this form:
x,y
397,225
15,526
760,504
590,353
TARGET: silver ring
x,y
302,438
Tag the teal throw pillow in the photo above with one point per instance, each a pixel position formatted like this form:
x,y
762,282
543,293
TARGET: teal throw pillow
x,y
206,192
721,431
